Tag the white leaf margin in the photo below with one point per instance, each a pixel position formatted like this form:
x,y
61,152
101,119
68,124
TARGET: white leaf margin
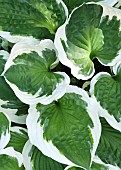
x,y
102,112
26,156
118,4
116,67
108,2
64,6
111,11
5,54
15,38
28,47
18,129
98,161
35,131
110,167
61,34
5,136
11,113
12,153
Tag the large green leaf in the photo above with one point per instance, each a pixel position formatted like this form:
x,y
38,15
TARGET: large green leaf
x,y
4,130
36,18
10,104
106,89
10,160
36,81
66,130
18,138
92,31
71,4
109,148
35,160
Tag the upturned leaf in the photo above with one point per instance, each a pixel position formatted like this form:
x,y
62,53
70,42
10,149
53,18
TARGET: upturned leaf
x,y
92,31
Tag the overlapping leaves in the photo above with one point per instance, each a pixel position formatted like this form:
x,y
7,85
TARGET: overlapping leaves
x,y
63,123
11,159
71,4
35,159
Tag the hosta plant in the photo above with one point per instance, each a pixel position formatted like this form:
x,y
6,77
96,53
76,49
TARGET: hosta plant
x,y
60,79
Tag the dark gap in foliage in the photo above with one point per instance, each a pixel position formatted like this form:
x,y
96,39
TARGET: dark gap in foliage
x,y
20,125
99,67
67,70
7,47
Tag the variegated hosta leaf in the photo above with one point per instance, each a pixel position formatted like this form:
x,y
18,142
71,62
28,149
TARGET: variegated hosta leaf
x,y
106,89
35,160
3,58
4,130
92,31
18,138
11,105
10,159
67,130
36,81
71,4
96,165
14,39
109,148
39,19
